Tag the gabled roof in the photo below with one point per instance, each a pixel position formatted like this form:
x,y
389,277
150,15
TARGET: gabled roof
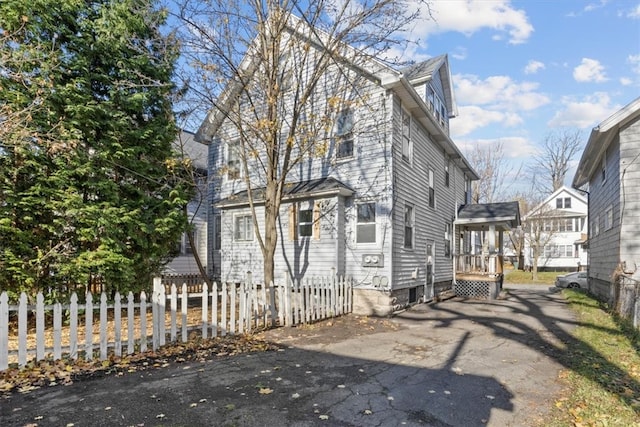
x,y
384,75
504,216
196,151
558,213
327,186
424,71
600,138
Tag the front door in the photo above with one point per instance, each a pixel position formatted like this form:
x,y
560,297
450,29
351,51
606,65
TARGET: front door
x,y
430,261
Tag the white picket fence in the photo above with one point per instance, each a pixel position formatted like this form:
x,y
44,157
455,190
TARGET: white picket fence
x,y
98,329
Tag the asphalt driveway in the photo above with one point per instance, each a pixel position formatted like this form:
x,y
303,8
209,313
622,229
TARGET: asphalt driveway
x,y
451,363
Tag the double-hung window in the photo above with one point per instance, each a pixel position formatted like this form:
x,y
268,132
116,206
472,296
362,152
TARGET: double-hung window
x,y
406,137
432,190
409,221
233,161
243,228
305,222
366,223
344,134
447,240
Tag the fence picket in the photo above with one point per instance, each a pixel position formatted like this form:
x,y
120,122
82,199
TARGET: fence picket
x,y
223,319
57,331
183,310
88,327
205,315
117,320
214,310
131,342
174,312
103,326
73,327
235,308
143,321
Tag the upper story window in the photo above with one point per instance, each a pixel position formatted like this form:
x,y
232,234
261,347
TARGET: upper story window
x,y
366,223
432,191
409,221
233,160
447,240
603,167
344,134
407,148
467,189
243,228
217,230
608,218
563,202
446,171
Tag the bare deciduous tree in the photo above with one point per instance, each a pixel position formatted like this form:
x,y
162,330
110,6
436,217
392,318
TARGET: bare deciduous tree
x,y
550,166
278,73
494,171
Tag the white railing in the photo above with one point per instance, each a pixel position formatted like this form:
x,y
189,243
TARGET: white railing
x,y
104,328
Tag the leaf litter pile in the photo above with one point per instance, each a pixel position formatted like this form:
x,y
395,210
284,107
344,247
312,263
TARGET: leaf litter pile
x,y
49,372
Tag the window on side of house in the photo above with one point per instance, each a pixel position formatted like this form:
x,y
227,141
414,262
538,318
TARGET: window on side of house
x,y
567,202
467,189
409,221
432,191
406,137
243,228
305,222
603,168
217,230
233,161
344,134
188,250
559,203
446,171
366,223
596,226
608,218
447,240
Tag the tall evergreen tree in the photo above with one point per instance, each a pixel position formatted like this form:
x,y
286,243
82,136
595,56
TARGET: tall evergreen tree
x,y
88,184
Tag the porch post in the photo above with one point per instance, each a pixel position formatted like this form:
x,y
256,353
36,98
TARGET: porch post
x,y
492,248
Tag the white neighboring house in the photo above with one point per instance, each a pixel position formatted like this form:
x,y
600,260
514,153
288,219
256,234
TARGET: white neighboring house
x,y
562,218
184,264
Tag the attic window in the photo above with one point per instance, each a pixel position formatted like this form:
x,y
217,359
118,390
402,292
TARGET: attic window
x,y
233,161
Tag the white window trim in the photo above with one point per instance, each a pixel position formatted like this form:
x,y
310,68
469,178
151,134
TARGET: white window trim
x,y
235,223
375,223
339,136
413,226
409,157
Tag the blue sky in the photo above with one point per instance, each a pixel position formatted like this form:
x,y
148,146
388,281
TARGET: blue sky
x,y
524,69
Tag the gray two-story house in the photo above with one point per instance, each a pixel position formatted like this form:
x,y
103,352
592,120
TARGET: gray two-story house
x,y
374,200
610,171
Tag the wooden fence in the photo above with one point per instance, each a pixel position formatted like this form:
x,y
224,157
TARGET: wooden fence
x,y
138,323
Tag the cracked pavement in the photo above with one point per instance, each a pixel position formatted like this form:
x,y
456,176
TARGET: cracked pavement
x,y
450,363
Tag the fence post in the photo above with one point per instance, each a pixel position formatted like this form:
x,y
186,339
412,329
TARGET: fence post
x,y
143,321
4,331
183,310
214,310
232,307
174,311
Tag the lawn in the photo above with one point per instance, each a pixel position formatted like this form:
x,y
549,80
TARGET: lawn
x,y
519,276
602,381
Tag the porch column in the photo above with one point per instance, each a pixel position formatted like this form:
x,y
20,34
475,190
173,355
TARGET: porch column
x,y
492,248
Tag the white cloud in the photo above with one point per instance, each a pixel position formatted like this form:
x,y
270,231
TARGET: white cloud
x,y
589,70
498,92
595,6
634,13
584,113
471,118
625,81
634,60
459,53
533,67
470,16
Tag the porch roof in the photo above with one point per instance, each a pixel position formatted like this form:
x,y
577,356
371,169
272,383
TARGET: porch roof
x,y
504,216
321,187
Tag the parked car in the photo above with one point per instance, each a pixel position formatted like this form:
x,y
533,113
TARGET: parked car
x,y
572,280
